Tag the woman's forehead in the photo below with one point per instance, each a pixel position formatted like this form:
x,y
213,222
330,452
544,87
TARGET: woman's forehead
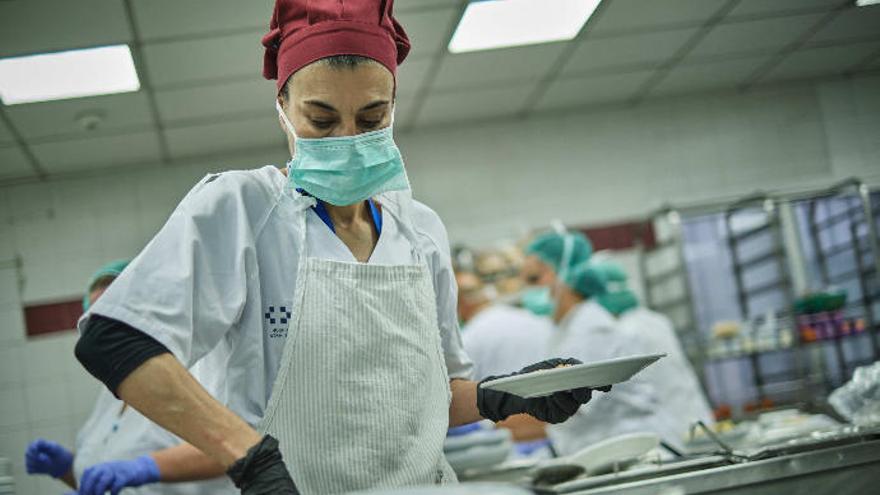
x,y
364,82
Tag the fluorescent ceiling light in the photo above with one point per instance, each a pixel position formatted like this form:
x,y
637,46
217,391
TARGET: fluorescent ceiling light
x,y
488,24
70,74
862,3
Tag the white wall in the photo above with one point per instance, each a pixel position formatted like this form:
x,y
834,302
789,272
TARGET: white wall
x,y
499,179
487,180
43,390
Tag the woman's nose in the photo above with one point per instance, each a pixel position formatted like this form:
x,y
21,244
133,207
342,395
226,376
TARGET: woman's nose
x,y
348,127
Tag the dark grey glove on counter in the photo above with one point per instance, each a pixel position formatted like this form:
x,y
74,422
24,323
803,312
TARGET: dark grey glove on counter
x,y
262,471
497,406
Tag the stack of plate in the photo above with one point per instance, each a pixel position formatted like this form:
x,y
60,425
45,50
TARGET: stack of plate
x,y
481,447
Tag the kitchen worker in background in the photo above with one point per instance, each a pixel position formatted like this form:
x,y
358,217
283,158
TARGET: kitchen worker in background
x,y
590,333
681,390
118,448
548,256
499,338
334,287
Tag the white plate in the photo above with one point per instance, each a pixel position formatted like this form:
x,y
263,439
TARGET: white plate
x,y
598,374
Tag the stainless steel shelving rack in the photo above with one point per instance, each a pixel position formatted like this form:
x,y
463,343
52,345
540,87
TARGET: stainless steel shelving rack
x,y
768,228
846,208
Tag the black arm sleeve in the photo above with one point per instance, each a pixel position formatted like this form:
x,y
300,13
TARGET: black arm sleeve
x,y
110,350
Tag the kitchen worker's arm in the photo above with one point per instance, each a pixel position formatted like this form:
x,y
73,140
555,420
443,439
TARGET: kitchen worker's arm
x,y
185,462
164,391
463,409
179,463
142,372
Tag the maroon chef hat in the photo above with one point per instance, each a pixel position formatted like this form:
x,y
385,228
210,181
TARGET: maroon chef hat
x,y
303,31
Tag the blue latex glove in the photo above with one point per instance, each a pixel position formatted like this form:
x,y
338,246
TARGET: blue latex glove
x,y
115,475
45,457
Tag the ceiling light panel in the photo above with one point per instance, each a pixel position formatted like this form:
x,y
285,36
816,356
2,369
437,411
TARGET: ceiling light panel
x,y
68,74
489,24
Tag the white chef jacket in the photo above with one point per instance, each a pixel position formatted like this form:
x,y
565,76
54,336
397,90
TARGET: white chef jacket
x,y
680,388
502,339
224,268
590,333
110,436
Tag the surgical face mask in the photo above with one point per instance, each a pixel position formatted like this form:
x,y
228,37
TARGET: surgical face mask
x,y
346,170
539,301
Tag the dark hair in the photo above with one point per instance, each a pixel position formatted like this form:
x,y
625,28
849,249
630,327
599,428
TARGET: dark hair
x,y
334,62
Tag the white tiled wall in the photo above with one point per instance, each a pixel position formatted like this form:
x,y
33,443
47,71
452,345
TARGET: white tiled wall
x,y
498,179
43,390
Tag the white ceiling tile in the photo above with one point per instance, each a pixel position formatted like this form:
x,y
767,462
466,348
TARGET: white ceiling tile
x,y
401,6
427,30
14,164
628,15
521,64
216,100
814,62
225,136
32,26
851,23
646,49
763,7
204,60
411,75
756,37
98,152
581,91
474,104
65,117
723,75
164,18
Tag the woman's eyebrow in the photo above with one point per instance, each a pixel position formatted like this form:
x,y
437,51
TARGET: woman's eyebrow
x,y
375,104
321,104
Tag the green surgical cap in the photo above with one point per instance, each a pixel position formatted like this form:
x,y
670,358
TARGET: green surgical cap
x,y
619,298
618,302
112,269
612,271
586,280
550,248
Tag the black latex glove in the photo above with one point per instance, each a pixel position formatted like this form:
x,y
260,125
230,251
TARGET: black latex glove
x,y
262,471
497,406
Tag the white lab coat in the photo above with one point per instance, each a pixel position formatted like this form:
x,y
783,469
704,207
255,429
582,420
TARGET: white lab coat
x,y
590,333
502,339
680,389
224,268
110,436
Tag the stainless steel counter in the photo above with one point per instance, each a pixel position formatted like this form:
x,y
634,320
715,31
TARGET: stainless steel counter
x,y
836,464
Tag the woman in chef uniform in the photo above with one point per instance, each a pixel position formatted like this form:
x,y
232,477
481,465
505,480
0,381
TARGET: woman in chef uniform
x,y
117,447
333,287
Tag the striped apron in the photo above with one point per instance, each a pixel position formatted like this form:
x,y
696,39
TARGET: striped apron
x,y
362,395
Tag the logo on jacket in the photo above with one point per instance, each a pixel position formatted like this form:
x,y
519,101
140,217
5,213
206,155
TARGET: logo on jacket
x,y
276,321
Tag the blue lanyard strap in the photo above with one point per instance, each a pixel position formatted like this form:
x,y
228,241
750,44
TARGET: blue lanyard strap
x,y
321,211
